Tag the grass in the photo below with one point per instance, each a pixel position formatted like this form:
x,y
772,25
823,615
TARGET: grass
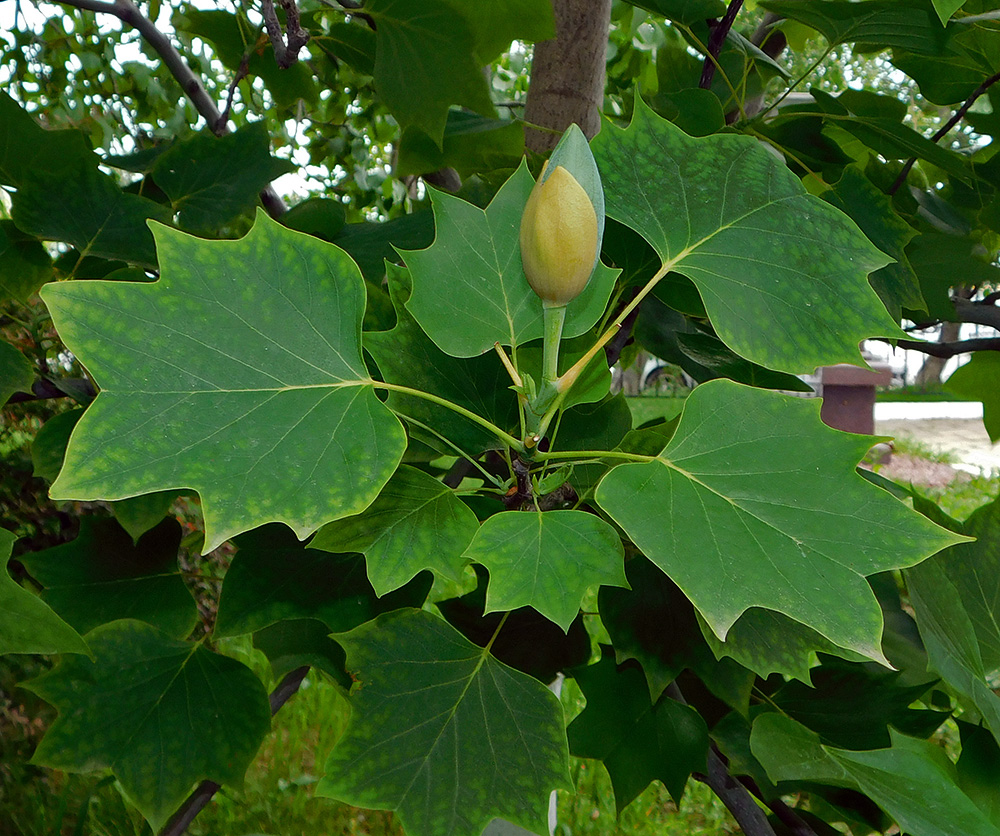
x,y
911,394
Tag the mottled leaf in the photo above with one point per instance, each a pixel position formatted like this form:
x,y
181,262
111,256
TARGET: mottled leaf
x,y
415,523
130,710
444,734
27,624
103,575
797,537
547,561
762,251
238,374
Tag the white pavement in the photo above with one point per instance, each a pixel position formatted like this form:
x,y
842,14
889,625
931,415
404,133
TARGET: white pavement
x,y
954,427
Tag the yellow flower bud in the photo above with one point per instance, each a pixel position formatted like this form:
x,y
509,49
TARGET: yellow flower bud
x,y
558,238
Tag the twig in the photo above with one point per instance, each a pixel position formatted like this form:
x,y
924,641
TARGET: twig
x,y
715,42
947,126
748,814
285,54
127,12
785,814
950,349
241,73
203,793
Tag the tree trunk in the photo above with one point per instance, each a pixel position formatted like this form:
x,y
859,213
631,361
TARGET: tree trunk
x,y
568,73
933,367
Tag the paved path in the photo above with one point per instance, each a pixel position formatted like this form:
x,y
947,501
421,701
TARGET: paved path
x,y
955,428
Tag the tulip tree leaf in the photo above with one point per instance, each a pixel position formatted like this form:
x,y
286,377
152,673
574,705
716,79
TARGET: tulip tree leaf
x,y
28,624
980,379
275,577
469,288
774,265
406,356
16,372
798,540
26,147
102,576
211,180
24,264
638,741
444,734
913,781
130,710
238,374
415,523
547,561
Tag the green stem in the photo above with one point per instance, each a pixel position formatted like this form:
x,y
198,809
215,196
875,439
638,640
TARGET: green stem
x,y
594,454
553,317
505,437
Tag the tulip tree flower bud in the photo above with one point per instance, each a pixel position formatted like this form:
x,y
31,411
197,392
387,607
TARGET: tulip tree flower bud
x,y
563,222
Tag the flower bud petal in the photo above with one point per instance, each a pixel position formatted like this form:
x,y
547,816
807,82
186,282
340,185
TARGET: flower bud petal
x,y
559,238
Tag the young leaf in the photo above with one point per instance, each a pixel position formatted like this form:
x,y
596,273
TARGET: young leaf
x,y
102,576
28,625
798,539
774,265
238,374
444,734
913,780
637,740
547,560
469,288
415,523
131,710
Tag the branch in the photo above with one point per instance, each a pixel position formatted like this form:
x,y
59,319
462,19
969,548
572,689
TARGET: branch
x,y
788,816
241,73
284,54
203,793
748,814
947,126
715,42
949,349
127,12
979,313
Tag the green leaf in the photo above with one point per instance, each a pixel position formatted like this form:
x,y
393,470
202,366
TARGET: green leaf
x,y
683,11
319,216
87,209
239,375
547,561
946,8
16,372
24,264
444,734
130,710
527,640
471,144
28,625
425,61
274,577
352,43
49,446
415,523
292,643
212,180
799,540
939,261
768,642
371,244
851,706
638,741
875,24
762,251
858,198
102,576
978,380
913,781
979,769
138,514
26,148
406,356
469,288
